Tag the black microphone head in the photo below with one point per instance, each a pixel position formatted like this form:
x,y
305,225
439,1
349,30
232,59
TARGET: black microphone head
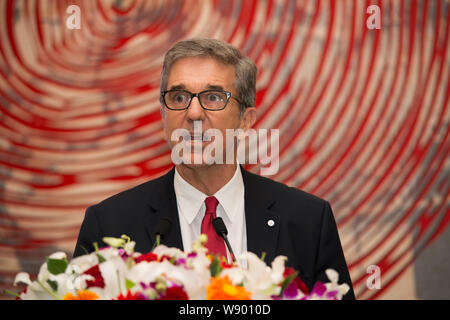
x,y
163,227
219,226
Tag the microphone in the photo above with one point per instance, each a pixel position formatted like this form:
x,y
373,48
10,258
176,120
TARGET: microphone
x,y
222,231
162,229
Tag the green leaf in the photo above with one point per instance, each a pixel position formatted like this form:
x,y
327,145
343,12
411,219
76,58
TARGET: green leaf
x,y
263,256
100,258
215,267
84,249
48,291
53,284
129,284
97,252
11,293
56,266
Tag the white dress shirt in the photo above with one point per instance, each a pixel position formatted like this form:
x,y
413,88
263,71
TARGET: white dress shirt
x,y
191,210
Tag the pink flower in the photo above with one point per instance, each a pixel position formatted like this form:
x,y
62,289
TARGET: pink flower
x,y
297,282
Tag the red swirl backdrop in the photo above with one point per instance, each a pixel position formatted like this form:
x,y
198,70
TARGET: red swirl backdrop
x,y
363,115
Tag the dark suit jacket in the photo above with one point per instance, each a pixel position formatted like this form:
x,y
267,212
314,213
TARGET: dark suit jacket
x,y
305,230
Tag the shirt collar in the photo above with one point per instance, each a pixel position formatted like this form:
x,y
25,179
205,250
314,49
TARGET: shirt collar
x,y
191,199
229,194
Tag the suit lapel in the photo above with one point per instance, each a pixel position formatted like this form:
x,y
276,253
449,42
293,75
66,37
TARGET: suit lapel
x,y
262,224
163,204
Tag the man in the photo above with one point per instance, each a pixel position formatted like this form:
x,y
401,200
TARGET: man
x,y
209,82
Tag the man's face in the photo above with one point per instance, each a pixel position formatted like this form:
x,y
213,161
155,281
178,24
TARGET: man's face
x,y
197,74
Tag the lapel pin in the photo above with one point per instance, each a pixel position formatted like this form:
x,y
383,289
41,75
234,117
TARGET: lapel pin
x,y
270,223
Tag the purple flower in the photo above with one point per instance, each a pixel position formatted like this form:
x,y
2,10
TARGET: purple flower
x,y
291,291
146,286
332,295
319,289
123,254
142,296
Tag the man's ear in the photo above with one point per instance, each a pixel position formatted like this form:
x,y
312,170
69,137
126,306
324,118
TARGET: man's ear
x,y
162,112
248,118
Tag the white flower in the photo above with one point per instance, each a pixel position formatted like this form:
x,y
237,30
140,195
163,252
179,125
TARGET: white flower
x,y
34,290
108,253
194,281
278,269
199,263
48,285
333,276
146,272
236,275
129,247
192,272
44,274
162,250
76,280
85,262
22,277
259,278
114,272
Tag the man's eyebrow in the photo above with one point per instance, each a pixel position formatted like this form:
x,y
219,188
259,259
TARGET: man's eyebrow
x,y
214,87
208,87
178,87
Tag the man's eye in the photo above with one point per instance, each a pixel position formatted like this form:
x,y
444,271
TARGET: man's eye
x,y
214,97
179,98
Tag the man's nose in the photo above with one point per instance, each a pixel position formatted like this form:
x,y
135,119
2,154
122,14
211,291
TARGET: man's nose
x,y
195,110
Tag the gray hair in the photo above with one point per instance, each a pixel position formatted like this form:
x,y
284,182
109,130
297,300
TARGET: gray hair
x,y
221,51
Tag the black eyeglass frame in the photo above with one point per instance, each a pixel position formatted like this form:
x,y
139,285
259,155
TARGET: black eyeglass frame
x,y
228,94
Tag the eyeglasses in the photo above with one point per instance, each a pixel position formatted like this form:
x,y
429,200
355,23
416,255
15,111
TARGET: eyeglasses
x,y
213,100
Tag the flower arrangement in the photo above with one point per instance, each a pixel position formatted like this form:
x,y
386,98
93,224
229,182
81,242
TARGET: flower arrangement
x,y
117,272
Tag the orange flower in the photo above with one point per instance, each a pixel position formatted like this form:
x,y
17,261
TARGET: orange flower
x,y
222,289
81,295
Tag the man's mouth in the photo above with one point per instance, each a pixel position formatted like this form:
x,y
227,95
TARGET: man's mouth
x,y
197,138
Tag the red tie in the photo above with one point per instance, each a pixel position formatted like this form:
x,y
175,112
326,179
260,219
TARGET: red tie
x,y
215,244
